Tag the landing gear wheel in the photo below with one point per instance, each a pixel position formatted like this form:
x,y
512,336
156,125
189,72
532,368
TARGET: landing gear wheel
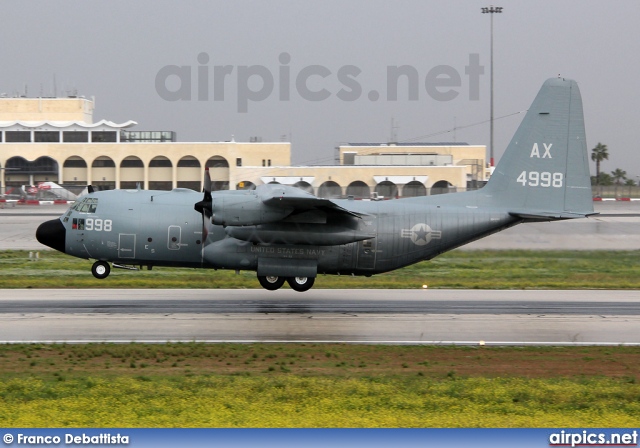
x,y
100,269
270,282
301,284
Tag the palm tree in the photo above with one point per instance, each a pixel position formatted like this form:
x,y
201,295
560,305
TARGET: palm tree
x,y
618,176
598,154
605,179
630,183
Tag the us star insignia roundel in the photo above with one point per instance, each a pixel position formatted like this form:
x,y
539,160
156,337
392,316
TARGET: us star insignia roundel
x,y
421,234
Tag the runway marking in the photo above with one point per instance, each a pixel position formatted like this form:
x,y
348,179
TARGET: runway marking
x,y
329,341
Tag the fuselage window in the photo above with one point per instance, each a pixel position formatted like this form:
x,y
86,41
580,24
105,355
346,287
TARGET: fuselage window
x,y
88,205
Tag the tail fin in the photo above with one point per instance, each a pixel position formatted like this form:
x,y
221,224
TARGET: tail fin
x,y
544,173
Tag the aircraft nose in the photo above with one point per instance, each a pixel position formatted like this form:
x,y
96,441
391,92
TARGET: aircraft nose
x,y
52,233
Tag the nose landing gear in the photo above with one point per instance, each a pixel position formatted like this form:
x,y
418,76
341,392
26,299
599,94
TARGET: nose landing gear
x,y
100,269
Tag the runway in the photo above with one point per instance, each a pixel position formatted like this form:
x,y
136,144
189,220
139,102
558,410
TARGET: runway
x,y
349,316
358,316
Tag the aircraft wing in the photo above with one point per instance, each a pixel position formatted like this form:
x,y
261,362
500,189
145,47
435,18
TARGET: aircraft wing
x,y
282,196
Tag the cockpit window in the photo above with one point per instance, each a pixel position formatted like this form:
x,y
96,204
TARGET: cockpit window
x,y
87,205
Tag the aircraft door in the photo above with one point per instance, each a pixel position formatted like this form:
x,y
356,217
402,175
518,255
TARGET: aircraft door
x,y
127,245
174,237
367,253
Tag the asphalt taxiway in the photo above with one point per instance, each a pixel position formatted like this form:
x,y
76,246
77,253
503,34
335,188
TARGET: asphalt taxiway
x,y
363,316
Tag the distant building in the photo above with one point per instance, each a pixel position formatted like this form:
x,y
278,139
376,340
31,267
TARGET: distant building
x,y
55,140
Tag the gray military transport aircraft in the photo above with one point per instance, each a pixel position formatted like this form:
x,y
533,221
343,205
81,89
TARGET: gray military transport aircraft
x,y
286,234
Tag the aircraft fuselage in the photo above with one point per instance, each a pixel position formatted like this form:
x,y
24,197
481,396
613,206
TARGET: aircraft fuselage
x,y
160,228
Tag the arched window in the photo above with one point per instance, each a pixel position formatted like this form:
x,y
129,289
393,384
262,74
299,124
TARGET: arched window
x,y
18,165
358,190
103,162
160,162
44,164
217,162
329,189
131,162
189,174
387,189
75,162
188,162
414,188
304,186
245,185
442,187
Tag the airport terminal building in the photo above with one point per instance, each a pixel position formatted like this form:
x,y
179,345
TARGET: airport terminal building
x,y
55,140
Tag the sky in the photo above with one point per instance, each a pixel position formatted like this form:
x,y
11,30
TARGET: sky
x,y
321,73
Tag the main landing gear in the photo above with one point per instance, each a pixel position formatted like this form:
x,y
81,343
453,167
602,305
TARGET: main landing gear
x,y
270,282
300,284
100,269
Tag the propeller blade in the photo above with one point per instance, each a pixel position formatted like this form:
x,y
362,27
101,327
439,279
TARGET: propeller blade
x,y
207,184
205,206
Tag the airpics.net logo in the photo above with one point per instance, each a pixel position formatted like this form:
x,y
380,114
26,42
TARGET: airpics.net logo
x,y
246,84
591,438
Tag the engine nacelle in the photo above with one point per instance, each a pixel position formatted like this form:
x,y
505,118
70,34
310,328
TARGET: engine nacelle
x,y
245,209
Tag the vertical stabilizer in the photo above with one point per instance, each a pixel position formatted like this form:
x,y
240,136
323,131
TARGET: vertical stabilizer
x,y
545,169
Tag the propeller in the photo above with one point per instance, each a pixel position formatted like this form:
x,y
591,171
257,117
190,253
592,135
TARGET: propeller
x,y
205,206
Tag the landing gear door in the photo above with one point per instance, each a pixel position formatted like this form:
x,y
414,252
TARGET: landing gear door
x,y
174,236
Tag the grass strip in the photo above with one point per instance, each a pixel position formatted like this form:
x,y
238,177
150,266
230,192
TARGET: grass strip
x,y
457,269
317,385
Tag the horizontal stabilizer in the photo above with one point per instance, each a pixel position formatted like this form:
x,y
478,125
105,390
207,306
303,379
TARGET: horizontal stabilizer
x,y
529,215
